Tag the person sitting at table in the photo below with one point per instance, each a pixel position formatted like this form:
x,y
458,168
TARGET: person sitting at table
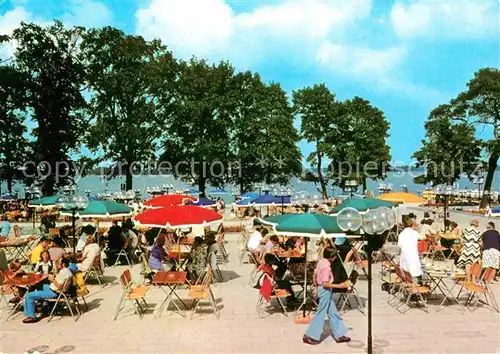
x,y
45,266
256,238
82,240
197,259
49,291
426,229
491,247
56,249
272,244
408,243
270,260
36,254
116,242
158,260
89,254
13,271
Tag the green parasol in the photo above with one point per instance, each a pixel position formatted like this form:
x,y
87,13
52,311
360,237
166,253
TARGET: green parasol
x,y
362,205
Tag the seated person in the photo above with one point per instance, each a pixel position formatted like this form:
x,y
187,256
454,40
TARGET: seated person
x,y
89,254
116,242
269,261
45,266
197,259
158,260
36,254
256,238
13,271
426,229
82,241
56,249
131,237
49,291
272,244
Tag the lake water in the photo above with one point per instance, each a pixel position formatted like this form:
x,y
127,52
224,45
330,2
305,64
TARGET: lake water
x,y
96,185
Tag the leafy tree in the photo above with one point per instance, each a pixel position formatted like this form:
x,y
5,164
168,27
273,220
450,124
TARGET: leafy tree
x,y
128,77
13,143
48,59
479,106
264,140
450,149
360,147
317,108
198,141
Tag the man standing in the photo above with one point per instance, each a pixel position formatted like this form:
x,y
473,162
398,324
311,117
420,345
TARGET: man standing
x,y
5,227
408,243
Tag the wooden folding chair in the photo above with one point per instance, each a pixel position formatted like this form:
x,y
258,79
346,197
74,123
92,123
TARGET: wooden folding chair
x,y
123,253
410,289
224,257
67,298
435,248
475,290
95,270
54,231
472,277
254,259
146,271
131,292
202,291
276,294
4,289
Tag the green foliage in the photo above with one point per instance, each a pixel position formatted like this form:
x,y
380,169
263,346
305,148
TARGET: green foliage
x,y
197,142
479,107
359,148
264,139
130,82
450,149
48,60
317,109
13,143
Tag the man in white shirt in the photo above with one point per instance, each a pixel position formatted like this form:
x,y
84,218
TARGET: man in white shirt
x,y
408,242
90,252
426,229
256,239
49,291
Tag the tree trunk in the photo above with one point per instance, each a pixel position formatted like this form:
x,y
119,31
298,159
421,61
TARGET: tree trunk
x,y
242,186
48,185
321,179
201,186
364,185
128,178
492,165
9,183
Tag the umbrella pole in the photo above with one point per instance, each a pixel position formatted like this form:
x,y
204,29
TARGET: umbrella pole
x,y
369,339
305,281
74,233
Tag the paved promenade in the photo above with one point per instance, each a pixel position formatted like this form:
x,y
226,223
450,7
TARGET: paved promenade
x,y
240,330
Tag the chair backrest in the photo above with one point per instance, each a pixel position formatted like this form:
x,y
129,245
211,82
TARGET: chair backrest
x,y
400,273
473,272
408,277
54,231
125,278
17,231
489,275
97,262
66,285
2,277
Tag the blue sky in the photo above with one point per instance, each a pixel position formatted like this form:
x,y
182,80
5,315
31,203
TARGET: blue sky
x,y
406,57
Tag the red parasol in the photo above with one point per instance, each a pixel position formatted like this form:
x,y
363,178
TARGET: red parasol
x,y
178,216
168,200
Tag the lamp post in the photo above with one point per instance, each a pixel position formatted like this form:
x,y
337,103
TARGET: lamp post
x,y
445,194
72,203
373,222
479,180
351,186
31,193
235,191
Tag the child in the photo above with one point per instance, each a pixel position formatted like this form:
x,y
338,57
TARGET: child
x,y
323,279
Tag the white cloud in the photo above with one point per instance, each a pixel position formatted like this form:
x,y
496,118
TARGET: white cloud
x,y
87,13
210,27
360,61
447,19
9,21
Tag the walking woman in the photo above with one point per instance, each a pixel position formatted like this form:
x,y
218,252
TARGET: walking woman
x,y
323,278
491,247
